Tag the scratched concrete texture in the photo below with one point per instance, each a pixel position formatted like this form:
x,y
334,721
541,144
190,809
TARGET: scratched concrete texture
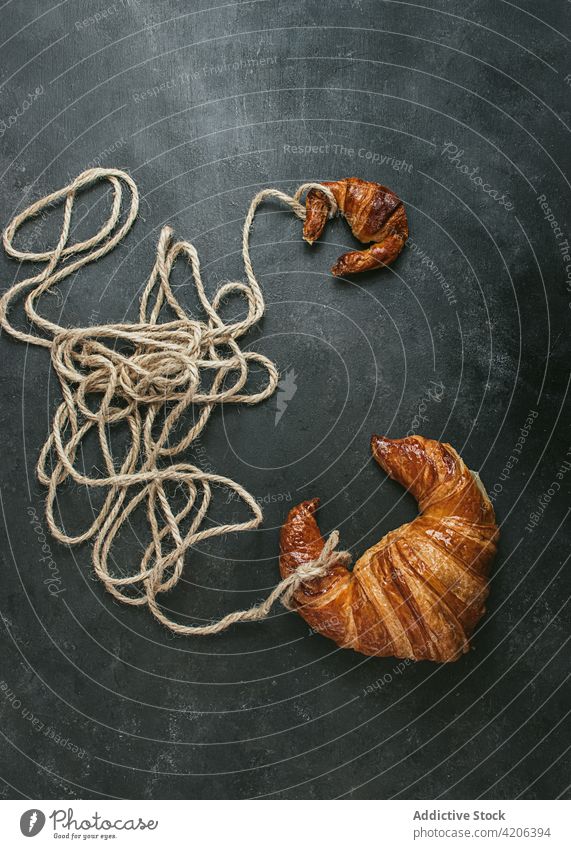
x,y
463,110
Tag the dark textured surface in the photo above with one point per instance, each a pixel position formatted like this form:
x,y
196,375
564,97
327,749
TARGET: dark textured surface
x,y
269,709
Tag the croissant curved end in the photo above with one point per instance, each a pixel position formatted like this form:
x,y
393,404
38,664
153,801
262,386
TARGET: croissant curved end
x,y
421,590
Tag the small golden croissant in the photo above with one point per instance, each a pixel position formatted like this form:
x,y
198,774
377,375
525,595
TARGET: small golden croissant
x,y
374,214
420,591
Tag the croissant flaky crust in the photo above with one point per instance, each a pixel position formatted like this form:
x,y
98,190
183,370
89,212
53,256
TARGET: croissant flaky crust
x,y
420,591
374,214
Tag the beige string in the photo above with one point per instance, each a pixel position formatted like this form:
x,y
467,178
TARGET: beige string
x,y
148,388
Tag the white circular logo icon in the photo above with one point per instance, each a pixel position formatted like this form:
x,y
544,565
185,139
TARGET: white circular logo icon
x,y
32,822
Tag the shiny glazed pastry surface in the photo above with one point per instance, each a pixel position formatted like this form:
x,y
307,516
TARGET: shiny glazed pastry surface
x,y
421,590
374,214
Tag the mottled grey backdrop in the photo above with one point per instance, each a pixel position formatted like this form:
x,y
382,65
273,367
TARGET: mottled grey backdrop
x,y
463,110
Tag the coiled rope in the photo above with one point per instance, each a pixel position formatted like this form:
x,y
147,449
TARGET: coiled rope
x,y
148,388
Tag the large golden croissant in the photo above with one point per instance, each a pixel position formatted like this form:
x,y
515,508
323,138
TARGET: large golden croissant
x,y
421,590
374,213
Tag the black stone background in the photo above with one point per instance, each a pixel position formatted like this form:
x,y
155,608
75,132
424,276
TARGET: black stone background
x,y
270,710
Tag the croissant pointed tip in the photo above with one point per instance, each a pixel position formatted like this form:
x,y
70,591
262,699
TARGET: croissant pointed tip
x,y
343,268
402,459
381,444
381,439
312,504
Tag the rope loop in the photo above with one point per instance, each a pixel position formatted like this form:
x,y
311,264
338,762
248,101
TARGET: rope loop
x,y
325,190
144,376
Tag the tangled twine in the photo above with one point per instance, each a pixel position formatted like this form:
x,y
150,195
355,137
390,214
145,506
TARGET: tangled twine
x,y
160,373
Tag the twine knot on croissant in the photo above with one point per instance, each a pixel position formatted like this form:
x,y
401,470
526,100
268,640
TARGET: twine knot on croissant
x,y
284,591
317,568
146,375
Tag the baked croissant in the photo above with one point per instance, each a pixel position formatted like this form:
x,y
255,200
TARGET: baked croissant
x,y
420,591
374,214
